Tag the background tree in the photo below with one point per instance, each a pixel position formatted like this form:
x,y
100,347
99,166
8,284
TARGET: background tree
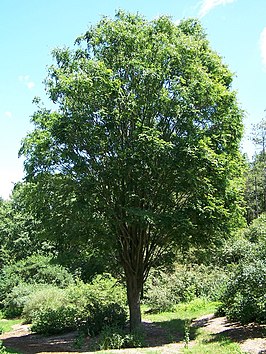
x,y
19,236
141,152
255,192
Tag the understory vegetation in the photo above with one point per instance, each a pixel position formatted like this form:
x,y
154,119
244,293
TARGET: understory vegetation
x,y
54,299
137,202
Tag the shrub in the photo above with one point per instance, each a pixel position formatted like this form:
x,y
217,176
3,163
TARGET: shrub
x,y
234,251
111,338
102,303
256,232
244,299
44,297
15,301
163,290
86,307
54,321
35,269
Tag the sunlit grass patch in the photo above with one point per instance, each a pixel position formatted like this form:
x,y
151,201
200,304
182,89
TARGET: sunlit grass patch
x,y
6,325
206,345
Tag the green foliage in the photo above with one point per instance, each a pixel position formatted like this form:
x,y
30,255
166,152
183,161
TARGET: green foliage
x,y
244,299
19,235
50,321
35,269
16,299
110,338
86,307
42,297
142,152
256,232
164,290
101,303
115,338
255,191
233,251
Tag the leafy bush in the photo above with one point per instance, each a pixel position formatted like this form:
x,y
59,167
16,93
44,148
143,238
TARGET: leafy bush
x,y
53,321
256,232
86,307
35,269
234,251
244,299
163,290
15,301
111,338
44,297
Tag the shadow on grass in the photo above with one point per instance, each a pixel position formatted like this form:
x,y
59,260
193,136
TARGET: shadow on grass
x,y
166,332
239,333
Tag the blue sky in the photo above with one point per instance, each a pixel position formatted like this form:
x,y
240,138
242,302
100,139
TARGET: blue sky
x,y
30,29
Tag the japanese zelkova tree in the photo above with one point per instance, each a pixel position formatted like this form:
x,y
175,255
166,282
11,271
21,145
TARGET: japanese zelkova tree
x,y
141,151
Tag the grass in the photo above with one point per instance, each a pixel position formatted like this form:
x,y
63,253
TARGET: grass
x,y
206,345
6,325
191,310
176,322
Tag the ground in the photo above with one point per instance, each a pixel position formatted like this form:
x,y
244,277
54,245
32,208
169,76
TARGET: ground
x,y
251,338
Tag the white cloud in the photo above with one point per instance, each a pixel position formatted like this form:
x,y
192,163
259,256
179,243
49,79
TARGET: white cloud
x,y
25,79
208,5
30,85
8,114
263,47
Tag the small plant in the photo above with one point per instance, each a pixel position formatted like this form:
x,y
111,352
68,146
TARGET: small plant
x,y
134,339
187,324
2,348
79,340
115,338
111,338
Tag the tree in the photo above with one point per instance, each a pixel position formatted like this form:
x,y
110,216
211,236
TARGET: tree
x,y
18,230
255,191
141,151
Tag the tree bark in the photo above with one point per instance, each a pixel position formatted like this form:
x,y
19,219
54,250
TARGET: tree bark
x,y
134,287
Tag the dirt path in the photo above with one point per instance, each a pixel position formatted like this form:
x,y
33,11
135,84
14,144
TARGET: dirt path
x,y
251,338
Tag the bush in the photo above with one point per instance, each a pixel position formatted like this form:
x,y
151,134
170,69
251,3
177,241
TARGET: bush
x,y
44,297
35,269
163,291
256,232
244,299
15,301
86,307
54,321
111,338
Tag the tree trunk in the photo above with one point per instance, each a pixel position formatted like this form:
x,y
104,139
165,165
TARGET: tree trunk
x,y
134,286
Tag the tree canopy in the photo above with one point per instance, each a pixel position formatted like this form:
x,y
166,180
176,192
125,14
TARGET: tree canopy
x,y
141,152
